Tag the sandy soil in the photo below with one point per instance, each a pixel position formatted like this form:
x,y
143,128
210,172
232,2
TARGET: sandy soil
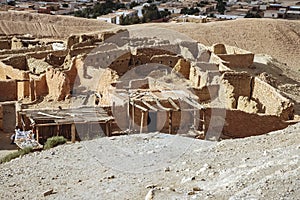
x,y
39,25
158,166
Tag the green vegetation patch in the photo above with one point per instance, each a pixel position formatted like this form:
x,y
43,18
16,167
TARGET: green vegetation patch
x,y
54,141
15,154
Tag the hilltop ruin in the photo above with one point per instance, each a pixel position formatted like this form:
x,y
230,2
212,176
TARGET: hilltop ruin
x,y
135,84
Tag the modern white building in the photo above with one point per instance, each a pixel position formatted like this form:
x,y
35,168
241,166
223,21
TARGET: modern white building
x,y
115,18
110,18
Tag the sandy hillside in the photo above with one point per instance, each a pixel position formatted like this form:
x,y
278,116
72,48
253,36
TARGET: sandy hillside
x,y
160,166
47,25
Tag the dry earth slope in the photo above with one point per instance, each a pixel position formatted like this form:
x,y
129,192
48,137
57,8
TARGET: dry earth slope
x,y
40,25
160,167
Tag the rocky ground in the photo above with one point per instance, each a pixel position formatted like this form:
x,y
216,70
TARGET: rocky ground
x,y
159,166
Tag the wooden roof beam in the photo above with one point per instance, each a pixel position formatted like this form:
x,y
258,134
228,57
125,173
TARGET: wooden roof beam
x,y
170,100
149,106
161,106
139,107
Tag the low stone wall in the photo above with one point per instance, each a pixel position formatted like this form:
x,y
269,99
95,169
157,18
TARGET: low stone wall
x,y
26,50
81,50
239,124
167,60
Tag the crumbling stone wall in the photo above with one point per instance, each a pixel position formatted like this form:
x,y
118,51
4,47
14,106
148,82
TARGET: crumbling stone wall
x,y
270,101
247,105
236,84
58,84
222,64
8,90
167,60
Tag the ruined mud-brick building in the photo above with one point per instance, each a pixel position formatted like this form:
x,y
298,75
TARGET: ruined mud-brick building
x,y
143,84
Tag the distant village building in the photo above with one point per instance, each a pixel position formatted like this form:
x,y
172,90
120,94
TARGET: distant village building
x,y
293,12
109,18
115,18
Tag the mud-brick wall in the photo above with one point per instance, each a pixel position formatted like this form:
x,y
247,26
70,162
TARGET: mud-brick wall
x,y
239,124
119,112
1,117
9,117
207,93
17,62
167,60
139,84
26,50
5,44
8,72
8,90
81,50
237,84
121,63
238,60
72,72
150,52
137,117
58,84
270,101
39,86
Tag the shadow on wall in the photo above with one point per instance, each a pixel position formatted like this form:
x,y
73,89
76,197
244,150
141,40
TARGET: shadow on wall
x,y
239,124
